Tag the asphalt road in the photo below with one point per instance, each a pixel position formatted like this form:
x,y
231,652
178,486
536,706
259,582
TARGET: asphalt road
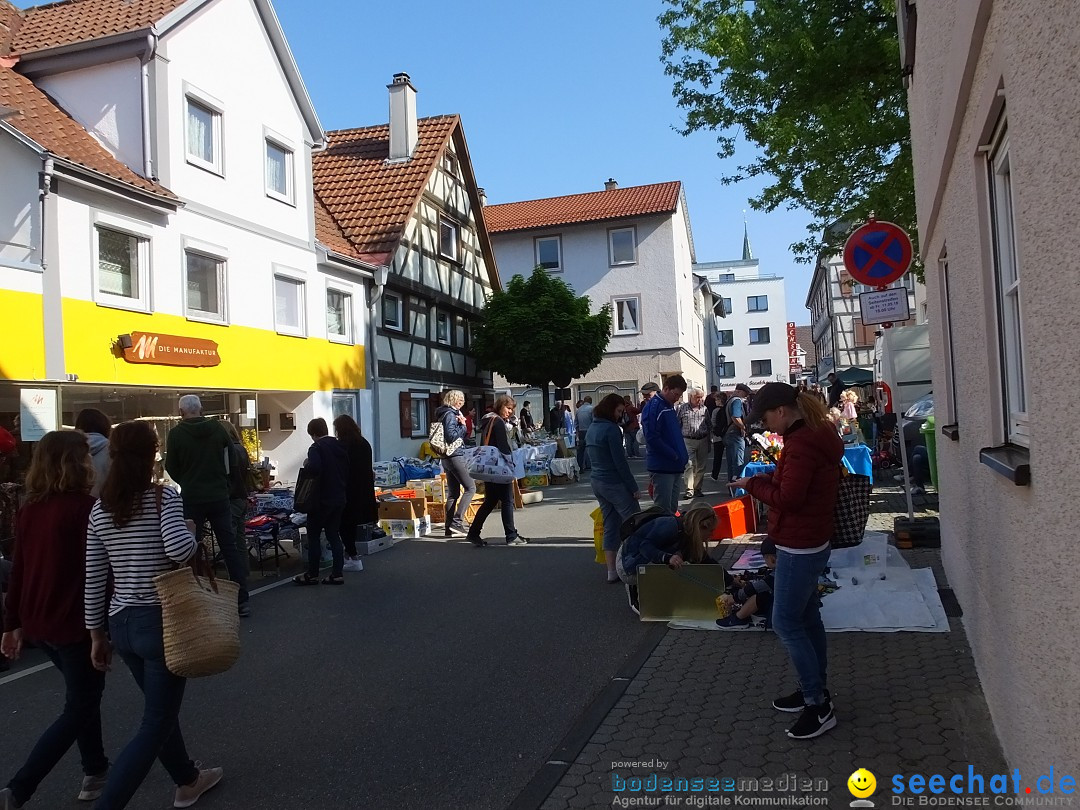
x,y
442,676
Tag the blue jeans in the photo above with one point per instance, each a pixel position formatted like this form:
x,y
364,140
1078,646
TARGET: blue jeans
x,y
631,442
328,519
80,722
137,635
666,489
495,493
735,445
582,456
796,617
616,505
220,516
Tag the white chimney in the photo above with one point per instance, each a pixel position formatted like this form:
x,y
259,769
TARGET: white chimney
x,y
403,135
610,185
483,195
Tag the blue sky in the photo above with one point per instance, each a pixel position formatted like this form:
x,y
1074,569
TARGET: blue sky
x,y
555,97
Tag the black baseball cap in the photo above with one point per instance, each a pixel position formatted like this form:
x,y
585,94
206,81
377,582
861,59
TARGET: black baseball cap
x,y
650,386
768,546
772,395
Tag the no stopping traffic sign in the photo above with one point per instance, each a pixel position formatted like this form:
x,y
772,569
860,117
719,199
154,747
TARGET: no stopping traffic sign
x,y
877,253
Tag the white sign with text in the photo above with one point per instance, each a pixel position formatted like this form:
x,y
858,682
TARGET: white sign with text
x,y
37,413
885,306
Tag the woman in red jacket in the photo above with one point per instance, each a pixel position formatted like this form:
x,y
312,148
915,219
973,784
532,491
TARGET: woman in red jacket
x,y
45,603
801,496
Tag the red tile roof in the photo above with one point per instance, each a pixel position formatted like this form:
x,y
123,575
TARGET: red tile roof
x,y
10,20
72,21
633,201
368,199
40,120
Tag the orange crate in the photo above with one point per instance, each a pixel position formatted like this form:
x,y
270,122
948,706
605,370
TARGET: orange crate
x,y
734,518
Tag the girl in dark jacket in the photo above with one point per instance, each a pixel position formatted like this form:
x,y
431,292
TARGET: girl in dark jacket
x,y
361,512
801,495
494,433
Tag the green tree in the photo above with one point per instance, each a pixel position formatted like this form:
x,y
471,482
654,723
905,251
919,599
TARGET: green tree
x,y
817,85
536,330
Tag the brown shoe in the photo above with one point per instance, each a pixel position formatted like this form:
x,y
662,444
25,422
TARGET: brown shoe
x,y
187,795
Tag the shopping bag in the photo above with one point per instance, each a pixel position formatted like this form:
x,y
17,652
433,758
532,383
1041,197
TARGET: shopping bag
x,y
598,533
852,509
487,463
438,443
307,491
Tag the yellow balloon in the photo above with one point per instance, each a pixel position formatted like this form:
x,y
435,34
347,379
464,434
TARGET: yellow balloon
x,y
862,783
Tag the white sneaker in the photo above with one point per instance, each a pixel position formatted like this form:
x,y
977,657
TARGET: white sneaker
x,y
353,564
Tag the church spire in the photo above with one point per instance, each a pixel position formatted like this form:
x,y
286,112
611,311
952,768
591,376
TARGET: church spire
x,y
747,253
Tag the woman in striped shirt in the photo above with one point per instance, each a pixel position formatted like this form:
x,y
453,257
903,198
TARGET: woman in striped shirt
x,y
138,531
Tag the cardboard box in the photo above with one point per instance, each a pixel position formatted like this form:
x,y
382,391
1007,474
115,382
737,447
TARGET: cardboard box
x,y
536,480
401,529
372,546
734,517
437,512
397,510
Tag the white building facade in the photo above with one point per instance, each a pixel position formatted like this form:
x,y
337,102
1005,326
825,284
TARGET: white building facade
x,y
752,336
630,248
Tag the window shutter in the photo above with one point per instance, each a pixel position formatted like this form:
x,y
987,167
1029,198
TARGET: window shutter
x,y
405,414
845,284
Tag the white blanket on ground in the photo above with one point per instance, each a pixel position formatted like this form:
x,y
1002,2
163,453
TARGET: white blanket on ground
x,y
903,599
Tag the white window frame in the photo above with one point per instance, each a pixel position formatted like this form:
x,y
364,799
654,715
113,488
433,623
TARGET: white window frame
x,y
219,255
611,245
455,255
272,139
386,298
768,373
720,337
615,301
1010,317
217,111
301,304
558,248
420,426
760,309
765,329
346,318
142,301
443,319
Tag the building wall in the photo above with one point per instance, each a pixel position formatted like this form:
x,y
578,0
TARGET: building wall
x,y
107,101
972,60
740,321
20,212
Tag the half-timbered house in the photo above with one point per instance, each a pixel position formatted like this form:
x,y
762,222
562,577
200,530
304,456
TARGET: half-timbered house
x,y
403,197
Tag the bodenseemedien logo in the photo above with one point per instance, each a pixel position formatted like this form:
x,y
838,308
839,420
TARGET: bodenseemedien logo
x,y
862,785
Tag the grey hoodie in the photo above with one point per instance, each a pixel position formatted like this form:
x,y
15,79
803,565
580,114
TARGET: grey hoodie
x,y
99,455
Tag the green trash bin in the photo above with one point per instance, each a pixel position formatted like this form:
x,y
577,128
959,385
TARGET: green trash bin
x,y
930,437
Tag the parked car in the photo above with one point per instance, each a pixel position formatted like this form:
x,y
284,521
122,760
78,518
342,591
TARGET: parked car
x,y
914,417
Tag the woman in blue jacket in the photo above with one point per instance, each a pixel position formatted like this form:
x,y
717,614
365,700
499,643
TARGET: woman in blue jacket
x,y
613,483
459,482
666,540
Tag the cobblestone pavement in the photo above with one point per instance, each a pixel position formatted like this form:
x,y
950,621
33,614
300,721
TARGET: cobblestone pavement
x,y
699,707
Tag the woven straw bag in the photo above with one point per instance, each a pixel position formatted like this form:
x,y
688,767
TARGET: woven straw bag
x,y
199,618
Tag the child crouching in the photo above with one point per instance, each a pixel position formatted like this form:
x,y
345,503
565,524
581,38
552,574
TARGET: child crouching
x,y
754,596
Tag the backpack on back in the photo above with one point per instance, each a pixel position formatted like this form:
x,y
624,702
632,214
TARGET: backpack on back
x,y
720,422
639,519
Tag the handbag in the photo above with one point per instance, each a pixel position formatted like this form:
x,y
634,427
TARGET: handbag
x,y
199,620
488,463
306,493
852,509
437,440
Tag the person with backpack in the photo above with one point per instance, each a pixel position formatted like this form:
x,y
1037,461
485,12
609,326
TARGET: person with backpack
x,y
718,425
738,409
452,451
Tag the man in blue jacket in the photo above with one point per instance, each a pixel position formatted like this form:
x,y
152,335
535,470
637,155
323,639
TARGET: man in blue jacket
x,y
665,450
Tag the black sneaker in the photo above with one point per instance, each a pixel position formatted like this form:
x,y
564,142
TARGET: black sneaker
x,y
518,541
456,531
631,597
699,493
476,541
814,721
794,702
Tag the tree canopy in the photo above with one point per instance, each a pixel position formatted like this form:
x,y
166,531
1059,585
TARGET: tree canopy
x,y
536,330
817,84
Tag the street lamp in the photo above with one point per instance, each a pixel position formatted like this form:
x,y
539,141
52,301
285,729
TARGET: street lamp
x,y
721,358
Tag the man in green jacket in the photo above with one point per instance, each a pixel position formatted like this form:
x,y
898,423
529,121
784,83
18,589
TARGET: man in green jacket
x,y
197,458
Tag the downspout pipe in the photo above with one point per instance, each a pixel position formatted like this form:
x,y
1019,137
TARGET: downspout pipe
x,y
148,54
378,287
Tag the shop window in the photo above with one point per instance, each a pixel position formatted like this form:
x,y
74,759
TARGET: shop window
x,y
203,132
449,237
289,306
1007,282
622,246
339,316
628,316
759,335
279,171
549,252
391,308
205,285
757,303
760,368
123,268
344,403
726,337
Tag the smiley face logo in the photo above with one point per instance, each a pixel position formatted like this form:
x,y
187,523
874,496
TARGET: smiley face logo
x,y
862,783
